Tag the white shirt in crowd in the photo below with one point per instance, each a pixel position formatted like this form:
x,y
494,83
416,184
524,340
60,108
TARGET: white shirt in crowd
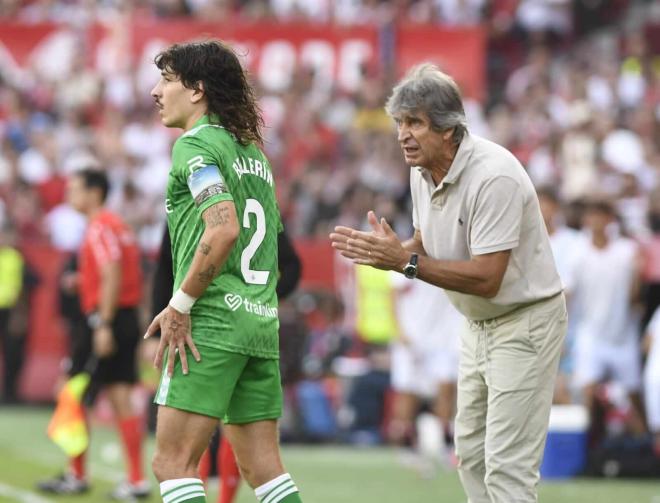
x,y
426,316
564,241
603,281
652,375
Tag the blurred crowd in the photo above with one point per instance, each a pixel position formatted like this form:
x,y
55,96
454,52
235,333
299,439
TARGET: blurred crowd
x,y
531,13
573,92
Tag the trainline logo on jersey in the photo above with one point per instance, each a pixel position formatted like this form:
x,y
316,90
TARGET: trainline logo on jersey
x,y
235,301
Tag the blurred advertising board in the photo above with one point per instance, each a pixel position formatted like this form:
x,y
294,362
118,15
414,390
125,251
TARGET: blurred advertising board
x,y
274,52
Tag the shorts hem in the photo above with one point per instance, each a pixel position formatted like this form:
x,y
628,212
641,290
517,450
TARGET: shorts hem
x,y
253,419
240,351
199,411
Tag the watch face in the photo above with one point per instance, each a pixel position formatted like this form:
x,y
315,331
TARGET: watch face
x,y
410,271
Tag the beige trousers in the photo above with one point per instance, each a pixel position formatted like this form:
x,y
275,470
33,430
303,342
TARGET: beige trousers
x,y
505,385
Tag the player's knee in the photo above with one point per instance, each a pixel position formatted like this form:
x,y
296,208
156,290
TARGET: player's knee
x,y
173,465
260,471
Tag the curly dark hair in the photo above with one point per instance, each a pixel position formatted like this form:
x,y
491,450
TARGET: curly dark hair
x,y
228,93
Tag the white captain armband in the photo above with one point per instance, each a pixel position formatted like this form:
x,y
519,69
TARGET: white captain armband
x,y
205,183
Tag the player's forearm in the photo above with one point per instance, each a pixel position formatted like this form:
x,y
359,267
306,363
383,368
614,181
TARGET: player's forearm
x,y
110,287
212,251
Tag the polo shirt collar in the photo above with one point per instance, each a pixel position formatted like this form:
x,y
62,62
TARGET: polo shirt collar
x,y
463,154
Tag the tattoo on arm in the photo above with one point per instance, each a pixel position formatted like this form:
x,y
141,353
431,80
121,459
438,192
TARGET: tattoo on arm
x,y
205,277
216,215
204,249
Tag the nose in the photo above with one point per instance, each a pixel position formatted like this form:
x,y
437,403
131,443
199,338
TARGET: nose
x,y
403,132
155,92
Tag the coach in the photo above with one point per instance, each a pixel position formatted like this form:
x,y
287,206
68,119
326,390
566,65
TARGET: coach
x,y
478,233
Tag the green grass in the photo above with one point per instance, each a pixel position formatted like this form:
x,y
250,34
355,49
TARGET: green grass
x,y
324,474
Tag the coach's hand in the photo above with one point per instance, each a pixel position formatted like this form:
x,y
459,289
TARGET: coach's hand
x,y
175,335
380,248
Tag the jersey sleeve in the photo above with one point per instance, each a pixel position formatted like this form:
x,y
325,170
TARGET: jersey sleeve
x,y
104,244
654,326
497,216
413,195
202,172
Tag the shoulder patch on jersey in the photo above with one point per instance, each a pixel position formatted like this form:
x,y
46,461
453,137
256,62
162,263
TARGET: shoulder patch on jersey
x,y
206,182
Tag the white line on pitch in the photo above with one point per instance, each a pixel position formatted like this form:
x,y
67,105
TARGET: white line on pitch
x,y
21,495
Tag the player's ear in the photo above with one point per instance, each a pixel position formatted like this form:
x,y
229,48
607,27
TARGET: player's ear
x,y
198,93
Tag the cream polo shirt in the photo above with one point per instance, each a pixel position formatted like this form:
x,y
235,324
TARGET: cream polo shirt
x,y
486,203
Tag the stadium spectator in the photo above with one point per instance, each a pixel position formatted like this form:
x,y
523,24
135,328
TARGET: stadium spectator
x,y
424,361
12,270
564,242
652,380
607,287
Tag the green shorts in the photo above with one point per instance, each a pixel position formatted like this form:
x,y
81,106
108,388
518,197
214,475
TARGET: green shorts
x,y
233,387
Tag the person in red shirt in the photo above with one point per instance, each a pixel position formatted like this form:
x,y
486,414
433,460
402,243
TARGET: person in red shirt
x,y
109,283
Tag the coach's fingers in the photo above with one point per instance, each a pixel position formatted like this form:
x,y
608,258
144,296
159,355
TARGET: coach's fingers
x,y
353,256
181,346
387,229
342,232
366,237
373,221
360,246
193,348
350,251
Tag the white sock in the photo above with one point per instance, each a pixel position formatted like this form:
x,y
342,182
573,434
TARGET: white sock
x,y
180,490
276,490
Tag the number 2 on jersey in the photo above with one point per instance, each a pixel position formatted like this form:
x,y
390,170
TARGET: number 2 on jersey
x,y
252,206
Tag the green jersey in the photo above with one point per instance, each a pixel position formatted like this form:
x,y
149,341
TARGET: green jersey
x,y
238,310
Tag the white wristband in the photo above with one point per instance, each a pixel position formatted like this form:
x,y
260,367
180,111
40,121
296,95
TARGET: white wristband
x,y
182,302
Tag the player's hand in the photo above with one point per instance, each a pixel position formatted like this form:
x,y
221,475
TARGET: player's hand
x,y
174,335
380,248
103,341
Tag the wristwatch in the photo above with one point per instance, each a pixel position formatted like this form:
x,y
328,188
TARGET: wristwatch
x,y
95,321
410,269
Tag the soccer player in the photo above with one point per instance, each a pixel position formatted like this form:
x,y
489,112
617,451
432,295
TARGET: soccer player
x,y
109,283
219,333
289,266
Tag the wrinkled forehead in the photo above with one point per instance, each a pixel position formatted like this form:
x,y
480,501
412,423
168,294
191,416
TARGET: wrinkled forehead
x,y
407,115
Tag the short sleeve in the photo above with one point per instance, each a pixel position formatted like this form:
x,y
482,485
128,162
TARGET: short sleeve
x,y
104,244
497,216
202,172
413,195
654,326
